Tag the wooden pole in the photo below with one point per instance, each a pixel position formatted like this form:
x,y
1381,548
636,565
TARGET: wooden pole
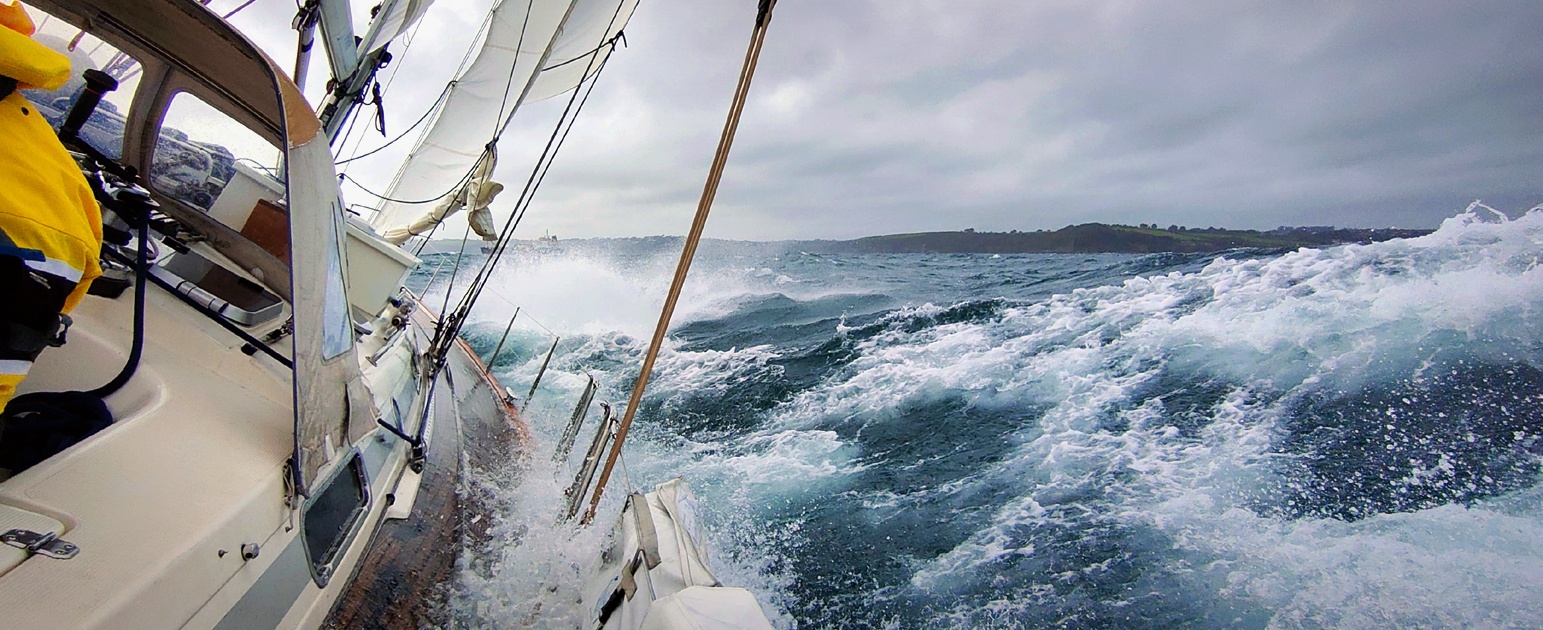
x,y
693,238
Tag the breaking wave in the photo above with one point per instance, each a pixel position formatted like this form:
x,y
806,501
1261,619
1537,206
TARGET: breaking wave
x,y
1346,436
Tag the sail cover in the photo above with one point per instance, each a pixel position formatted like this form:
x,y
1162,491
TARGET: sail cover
x,y
514,56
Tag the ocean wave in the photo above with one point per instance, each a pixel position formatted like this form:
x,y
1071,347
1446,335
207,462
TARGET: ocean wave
x,y
1343,436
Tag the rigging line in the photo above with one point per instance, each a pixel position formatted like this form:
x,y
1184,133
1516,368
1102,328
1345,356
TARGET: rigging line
x,y
596,50
523,203
543,165
548,155
515,63
693,238
545,57
437,102
454,271
482,31
237,9
348,130
438,267
464,178
528,194
407,45
418,250
480,283
533,320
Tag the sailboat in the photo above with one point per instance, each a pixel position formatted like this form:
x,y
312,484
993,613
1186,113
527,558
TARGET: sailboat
x,y
290,424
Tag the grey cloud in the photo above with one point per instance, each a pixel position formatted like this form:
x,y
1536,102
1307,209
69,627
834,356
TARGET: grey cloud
x,y
872,117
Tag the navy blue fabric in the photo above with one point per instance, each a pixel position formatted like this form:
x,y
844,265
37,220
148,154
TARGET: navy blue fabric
x,y
39,425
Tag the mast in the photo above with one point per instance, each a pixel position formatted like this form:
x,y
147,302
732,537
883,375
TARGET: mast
x,y
354,61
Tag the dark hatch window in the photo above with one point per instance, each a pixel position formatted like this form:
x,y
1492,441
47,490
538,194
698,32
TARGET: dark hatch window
x,y
332,515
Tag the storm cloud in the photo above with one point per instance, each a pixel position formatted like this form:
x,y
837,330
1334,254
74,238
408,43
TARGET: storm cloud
x,y
872,117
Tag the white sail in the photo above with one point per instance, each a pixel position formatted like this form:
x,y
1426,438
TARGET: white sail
x,y
523,37
393,19
583,44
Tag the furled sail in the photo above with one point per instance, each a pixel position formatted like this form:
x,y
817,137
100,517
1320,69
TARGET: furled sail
x,y
533,49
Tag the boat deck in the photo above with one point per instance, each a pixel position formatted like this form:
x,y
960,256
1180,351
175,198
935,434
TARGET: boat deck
x,y
160,502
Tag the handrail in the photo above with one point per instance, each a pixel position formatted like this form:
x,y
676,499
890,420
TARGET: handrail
x,y
575,493
571,432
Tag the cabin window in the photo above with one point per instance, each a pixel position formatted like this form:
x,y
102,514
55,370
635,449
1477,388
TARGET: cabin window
x,y
338,330
202,154
104,130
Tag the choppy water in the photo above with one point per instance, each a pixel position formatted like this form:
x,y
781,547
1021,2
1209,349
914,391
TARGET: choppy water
x,y
1346,437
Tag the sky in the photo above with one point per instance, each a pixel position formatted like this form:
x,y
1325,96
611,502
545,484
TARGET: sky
x,y
887,116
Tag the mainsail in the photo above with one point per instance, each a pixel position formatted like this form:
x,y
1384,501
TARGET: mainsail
x,y
393,19
534,49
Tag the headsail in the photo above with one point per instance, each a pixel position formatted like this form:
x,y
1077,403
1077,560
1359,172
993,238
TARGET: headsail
x,y
534,49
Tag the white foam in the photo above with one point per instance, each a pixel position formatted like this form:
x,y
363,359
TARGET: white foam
x,y
1272,331
1275,329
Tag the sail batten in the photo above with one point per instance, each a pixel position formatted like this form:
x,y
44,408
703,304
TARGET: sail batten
x,y
534,49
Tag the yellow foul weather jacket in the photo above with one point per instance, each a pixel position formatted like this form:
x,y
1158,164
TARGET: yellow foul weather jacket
x,y
50,227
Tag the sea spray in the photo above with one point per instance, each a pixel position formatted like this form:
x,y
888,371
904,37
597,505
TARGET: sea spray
x,y
1342,436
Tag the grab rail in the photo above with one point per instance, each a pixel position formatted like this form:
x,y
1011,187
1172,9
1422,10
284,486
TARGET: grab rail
x,y
576,492
571,432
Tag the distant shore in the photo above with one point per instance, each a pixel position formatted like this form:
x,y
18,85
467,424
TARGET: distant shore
x,y
1088,238
1098,238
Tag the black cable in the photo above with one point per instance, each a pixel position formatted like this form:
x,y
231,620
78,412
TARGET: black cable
x,y
538,175
509,82
465,178
213,315
444,323
141,271
594,51
440,342
418,251
406,131
403,132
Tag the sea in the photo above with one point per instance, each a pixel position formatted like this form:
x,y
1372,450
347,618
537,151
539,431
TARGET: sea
x,y
1342,437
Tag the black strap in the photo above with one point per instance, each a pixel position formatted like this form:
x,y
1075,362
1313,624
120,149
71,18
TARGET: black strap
x,y
31,319
7,85
42,424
